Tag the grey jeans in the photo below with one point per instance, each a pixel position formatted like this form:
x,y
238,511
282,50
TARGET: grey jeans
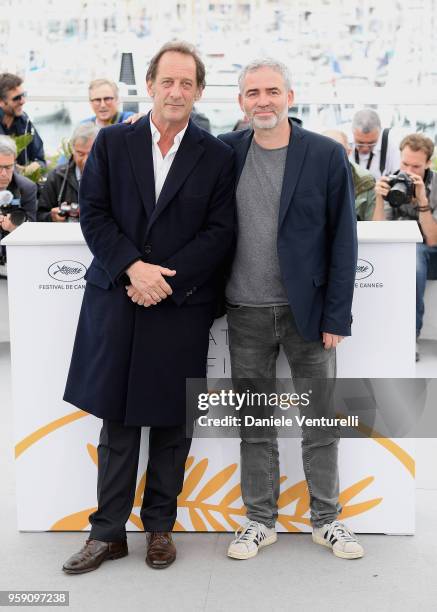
x,y
255,337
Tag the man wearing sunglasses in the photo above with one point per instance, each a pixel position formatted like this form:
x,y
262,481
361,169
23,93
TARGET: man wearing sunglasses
x,y
374,149
15,122
104,100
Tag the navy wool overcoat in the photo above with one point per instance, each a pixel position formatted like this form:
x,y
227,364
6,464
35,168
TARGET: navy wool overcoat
x,y
130,363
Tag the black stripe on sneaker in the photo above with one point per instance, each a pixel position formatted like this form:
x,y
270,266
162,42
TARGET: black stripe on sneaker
x,y
334,541
332,537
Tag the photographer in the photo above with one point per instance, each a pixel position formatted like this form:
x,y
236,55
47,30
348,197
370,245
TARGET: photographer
x,y
411,194
364,183
60,195
374,149
21,196
17,195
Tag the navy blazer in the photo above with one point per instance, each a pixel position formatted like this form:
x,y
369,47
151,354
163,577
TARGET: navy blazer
x,y
317,230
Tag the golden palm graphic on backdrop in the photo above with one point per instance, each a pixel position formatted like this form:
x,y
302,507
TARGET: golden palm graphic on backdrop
x,y
293,503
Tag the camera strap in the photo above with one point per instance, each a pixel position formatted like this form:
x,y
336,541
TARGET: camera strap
x,y
64,182
384,147
369,161
383,157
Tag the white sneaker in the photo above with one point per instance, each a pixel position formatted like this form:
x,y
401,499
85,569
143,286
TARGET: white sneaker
x,y
249,538
342,540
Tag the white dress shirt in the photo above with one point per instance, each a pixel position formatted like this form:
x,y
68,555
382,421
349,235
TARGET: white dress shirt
x,y
392,159
162,165
78,174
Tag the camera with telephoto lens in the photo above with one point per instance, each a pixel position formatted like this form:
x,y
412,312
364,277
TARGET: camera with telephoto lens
x,y
71,211
402,189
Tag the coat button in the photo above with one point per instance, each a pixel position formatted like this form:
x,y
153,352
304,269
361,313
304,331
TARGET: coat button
x,y
147,249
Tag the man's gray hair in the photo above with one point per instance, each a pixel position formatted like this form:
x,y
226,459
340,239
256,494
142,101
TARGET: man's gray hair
x,y
366,120
84,132
99,82
8,146
268,62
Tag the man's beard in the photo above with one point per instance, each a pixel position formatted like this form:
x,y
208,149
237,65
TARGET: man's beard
x,y
9,112
268,124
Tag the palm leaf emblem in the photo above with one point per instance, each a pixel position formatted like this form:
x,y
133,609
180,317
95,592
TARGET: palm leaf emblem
x,y
229,511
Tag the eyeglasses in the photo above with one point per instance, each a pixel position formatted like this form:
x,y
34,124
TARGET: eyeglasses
x,y
365,145
18,97
80,154
7,168
106,100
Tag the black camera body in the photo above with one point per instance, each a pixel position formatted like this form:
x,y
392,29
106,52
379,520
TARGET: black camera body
x,y
10,207
402,189
70,211
18,215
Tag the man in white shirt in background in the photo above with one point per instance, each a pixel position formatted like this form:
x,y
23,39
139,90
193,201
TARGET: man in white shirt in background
x,y
374,148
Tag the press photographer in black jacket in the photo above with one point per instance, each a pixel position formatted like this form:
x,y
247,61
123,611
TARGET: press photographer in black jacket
x,y
20,191
60,193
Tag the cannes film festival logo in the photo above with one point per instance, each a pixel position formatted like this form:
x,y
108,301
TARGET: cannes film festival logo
x,y
364,269
67,271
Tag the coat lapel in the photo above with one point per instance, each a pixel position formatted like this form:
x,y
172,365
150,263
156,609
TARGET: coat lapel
x,y
139,146
293,166
186,158
241,150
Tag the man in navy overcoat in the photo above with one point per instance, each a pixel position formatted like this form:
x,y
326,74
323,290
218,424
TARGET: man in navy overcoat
x,y
157,212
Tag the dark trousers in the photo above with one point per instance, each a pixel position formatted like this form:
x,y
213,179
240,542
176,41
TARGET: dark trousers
x,y
118,454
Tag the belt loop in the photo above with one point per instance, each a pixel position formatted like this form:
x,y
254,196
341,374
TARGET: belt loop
x,y
275,314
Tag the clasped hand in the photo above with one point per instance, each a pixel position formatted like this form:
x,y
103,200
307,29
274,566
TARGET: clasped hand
x,y
148,286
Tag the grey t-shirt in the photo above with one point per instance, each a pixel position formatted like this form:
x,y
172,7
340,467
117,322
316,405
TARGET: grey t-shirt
x,y
255,277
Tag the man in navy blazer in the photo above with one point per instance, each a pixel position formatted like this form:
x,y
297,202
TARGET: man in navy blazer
x,y
291,285
157,212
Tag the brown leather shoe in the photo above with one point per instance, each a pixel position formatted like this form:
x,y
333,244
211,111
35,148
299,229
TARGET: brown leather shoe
x,y
161,551
92,555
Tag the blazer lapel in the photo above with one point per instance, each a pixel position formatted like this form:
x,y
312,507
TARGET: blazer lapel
x,y
187,156
139,146
241,150
293,166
